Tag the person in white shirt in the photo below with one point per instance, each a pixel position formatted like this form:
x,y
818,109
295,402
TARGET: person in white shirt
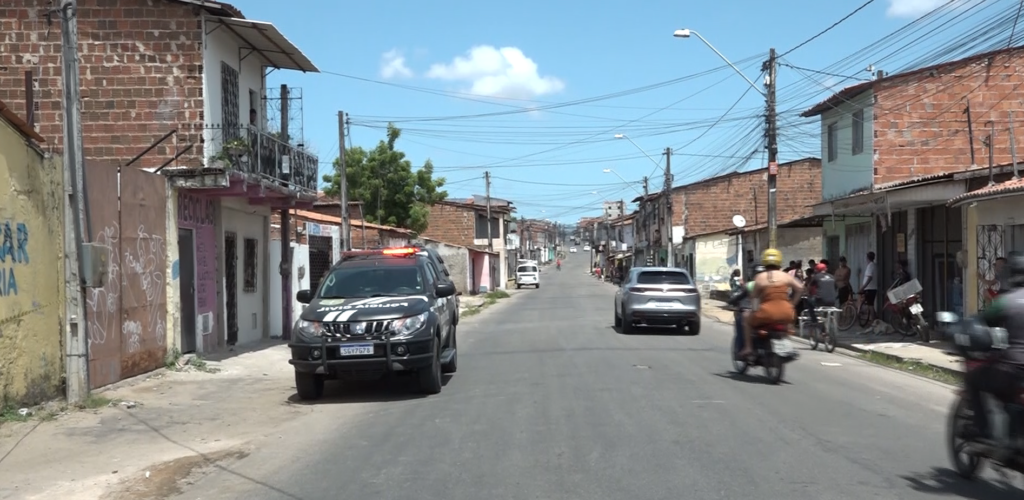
x,y
869,285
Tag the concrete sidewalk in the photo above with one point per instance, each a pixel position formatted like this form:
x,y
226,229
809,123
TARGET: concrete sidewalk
x,y
146,432
865,341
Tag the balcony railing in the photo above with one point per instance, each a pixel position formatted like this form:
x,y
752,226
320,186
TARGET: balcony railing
x,y
259,153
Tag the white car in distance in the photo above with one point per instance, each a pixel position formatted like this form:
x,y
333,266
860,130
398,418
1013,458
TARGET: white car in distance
x,y
572,249
527,275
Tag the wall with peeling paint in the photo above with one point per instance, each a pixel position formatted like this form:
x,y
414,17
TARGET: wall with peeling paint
x,y
173,290
31,271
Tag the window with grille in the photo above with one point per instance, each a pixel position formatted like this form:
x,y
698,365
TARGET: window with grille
x,y
833,142
858,132
229,102
250,265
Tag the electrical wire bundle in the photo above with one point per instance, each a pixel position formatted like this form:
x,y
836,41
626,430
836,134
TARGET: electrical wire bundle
x,y
980,26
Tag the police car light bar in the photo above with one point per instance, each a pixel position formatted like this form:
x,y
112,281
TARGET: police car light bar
x,y
399,251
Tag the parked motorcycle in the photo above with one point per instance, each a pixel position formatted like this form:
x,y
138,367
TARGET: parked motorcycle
x,y
772,350
913,316
981,345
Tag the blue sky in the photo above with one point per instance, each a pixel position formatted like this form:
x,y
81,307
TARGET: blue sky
x,y
532,54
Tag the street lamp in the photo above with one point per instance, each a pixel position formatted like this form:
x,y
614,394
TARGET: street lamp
x,y
630,184
772,123
624,136
686,33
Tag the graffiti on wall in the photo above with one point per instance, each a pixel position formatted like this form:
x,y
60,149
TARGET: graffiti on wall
x,y
136,272
715,258
127,317
199,213
13,254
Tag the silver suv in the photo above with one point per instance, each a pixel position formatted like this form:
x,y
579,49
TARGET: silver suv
x,y
658,296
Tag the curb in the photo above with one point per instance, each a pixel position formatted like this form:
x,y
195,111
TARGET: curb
x,y
857,350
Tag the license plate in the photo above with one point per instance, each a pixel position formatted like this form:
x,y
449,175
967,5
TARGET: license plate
x,y
916,309
782,346
356,349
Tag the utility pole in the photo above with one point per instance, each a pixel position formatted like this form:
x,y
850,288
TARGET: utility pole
x,y
1013,149
346,229
989,143
487,181
970,132
286,236
77,334
773,147
645,187
667,190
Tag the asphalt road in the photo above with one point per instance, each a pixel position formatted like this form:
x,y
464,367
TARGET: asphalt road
x,y
551,403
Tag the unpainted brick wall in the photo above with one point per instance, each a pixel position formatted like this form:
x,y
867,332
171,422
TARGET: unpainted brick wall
x,y
709,206
355,210
141,75
919,123
450,224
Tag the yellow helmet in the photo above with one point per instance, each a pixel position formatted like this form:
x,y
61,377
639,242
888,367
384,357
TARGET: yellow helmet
x,y
771,257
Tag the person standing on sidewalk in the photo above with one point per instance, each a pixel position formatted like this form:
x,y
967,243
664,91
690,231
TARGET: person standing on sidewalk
x,y
842,277
869,285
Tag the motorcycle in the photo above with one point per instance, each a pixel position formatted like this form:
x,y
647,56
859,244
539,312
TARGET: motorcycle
x,y
772,350
981,345
911,318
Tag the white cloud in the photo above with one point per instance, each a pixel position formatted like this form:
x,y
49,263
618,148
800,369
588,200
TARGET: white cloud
x,y
913,8
392,65
504,72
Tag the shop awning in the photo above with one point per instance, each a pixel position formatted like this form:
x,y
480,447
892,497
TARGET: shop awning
x,y
1012,187
927,191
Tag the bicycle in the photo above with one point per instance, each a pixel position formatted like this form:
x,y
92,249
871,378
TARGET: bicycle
x,y
820,332
855,310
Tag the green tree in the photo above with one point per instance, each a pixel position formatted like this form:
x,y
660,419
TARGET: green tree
x,y
383,179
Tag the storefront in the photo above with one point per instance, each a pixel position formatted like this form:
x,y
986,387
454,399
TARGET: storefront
x,y
994,227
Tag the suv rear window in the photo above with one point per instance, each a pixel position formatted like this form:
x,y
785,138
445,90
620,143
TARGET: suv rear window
x,y
663,278
527,269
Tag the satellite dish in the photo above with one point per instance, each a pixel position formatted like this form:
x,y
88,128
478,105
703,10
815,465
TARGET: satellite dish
x,y
739,221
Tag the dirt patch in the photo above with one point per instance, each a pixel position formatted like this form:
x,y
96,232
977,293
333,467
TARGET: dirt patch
x,y
165,480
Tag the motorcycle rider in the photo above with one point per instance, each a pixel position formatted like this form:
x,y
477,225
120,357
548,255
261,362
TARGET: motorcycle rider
x,y
776,294
1001,379
741,300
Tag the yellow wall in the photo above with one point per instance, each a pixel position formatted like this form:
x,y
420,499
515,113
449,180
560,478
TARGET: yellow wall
x,y
31,271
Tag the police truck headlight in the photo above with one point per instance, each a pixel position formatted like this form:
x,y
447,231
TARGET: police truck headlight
x,y
309,328
408,327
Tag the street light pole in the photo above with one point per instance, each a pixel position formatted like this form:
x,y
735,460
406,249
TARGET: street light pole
x,y
771,120
630,184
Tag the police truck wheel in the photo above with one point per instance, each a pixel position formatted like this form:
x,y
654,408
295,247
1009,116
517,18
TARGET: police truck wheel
x,y
309,386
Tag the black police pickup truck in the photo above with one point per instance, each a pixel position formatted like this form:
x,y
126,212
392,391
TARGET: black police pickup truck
x,y
376,312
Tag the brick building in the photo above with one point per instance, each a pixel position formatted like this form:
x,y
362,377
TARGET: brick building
x,y
705,210
159,78
896,148
464,223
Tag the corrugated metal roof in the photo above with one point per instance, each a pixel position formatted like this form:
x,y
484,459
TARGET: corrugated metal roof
x,y
1012,186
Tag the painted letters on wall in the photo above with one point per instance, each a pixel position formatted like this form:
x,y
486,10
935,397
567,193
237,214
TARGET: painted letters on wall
x,y
199,213
14,255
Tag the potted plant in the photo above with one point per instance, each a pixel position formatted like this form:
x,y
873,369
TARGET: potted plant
x,y
236,147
